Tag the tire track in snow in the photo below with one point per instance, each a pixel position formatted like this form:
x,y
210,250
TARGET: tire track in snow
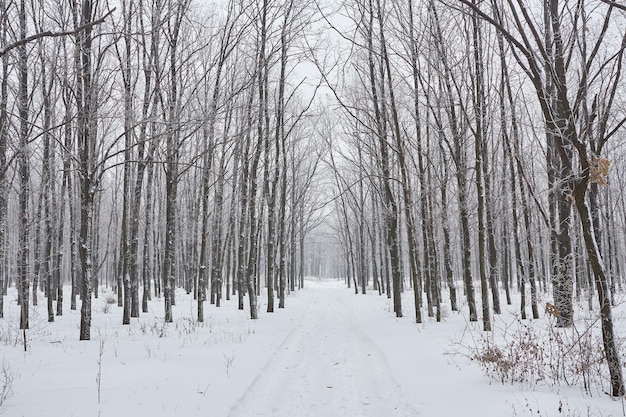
x,y
326,367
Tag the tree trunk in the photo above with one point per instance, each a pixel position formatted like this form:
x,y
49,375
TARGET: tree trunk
x,y
447,257
390,208
48,191
172,135
86,146
23,269
4,92
599,272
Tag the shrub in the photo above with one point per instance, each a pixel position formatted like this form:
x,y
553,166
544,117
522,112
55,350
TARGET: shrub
x,y
536,352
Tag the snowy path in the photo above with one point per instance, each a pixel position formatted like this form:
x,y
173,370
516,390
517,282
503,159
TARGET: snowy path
x,y
326,367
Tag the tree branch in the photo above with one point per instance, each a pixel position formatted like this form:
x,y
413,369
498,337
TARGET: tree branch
x,y
615,4
49,34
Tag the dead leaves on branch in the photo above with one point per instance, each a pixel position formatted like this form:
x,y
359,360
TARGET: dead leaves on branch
x,y
598,174
599,170
551,310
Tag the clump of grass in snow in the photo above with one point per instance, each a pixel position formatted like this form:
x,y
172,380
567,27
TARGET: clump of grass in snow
x,y
7,376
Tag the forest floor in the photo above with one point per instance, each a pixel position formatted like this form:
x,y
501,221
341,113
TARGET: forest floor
x,y
328,354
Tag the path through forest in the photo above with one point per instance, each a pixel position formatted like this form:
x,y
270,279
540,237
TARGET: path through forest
x,y
326,367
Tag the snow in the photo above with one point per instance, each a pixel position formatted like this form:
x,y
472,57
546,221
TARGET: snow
x,y
327,366
329,353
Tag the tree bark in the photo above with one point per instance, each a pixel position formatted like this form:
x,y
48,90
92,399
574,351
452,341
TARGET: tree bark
x,y
23,267
4,93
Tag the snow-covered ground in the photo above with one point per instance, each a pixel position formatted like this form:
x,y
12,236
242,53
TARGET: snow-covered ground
x,y
328,354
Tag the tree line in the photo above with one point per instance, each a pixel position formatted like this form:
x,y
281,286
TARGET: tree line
x,y
154,145
479,145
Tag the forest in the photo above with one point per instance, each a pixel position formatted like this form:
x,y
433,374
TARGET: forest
x,y
468,152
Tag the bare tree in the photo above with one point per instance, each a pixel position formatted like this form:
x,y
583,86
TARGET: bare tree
x,y
23,263
85,98
4,94
172,139
457,152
